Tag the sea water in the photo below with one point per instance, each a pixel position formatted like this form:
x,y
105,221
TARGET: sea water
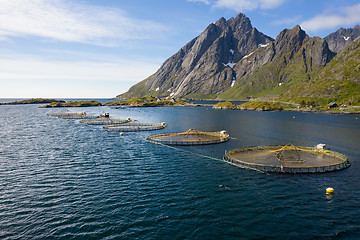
x,y
62,179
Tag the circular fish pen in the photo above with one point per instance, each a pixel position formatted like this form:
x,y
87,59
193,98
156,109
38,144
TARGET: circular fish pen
x,y
73,115
134,127
287,159
105,121
190,137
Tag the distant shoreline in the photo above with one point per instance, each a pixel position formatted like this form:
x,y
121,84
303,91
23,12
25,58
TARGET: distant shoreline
x,y
33,101
285,106
131,103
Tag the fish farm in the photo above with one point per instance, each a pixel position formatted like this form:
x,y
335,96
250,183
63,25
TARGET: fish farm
x,y
105,121
135,126
287,159
190,137
73,115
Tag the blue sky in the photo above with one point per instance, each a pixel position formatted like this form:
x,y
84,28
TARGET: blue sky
x,y
99,48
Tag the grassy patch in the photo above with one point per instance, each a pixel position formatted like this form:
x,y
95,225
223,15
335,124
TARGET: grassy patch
x,y
225,105
263,106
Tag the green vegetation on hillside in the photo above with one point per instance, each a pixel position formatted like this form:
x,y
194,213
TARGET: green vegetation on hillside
x,y
139,89
264,106
337,82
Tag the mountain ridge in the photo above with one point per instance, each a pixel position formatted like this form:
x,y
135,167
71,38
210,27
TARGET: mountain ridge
x,y
231,59
293,57
201,65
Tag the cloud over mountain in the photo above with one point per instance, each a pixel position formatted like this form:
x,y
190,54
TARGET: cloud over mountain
x,y
345,17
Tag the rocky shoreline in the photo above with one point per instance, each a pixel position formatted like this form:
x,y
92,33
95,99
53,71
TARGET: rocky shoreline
x,y
278,107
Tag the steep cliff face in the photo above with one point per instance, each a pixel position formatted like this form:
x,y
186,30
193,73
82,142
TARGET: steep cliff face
x,y
292,59
341,38
337,81
203,67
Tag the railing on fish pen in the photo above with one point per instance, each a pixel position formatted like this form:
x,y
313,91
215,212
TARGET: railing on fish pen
x,y
135,126
190,137
316,161
73,115
105,121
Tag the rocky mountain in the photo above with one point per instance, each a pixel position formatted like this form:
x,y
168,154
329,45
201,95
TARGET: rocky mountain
x,y
338,81
291,59
341,38
233,60
203,67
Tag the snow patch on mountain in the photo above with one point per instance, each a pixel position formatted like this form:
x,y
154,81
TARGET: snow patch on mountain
x,y
229,64
263,45
246,56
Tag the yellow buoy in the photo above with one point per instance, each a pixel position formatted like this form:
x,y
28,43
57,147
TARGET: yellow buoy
x,y
329,190
121,134
67,119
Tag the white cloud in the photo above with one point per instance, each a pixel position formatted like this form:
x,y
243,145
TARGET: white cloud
x,y
36,68
202,1
344,17
248,5
71,21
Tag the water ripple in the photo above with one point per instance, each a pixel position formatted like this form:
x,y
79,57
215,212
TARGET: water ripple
x,y
65,180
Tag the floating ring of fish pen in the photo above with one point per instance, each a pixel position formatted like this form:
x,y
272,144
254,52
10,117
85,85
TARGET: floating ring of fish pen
x,y
72,115
134,127
190,137
105,121
287,159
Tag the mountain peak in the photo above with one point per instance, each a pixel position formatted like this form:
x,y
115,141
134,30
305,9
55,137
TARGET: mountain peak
x,y
230,55
206,64
291,39
221,22
240,24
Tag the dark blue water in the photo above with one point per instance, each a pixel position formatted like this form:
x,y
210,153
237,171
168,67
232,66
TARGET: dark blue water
x,y
64,180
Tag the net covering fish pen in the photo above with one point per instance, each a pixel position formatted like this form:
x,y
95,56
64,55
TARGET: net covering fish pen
x,y
287,159
134,127
190,137
72,115
105,121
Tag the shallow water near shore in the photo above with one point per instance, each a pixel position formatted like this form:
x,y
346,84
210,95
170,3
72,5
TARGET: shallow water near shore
x,y
65,180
